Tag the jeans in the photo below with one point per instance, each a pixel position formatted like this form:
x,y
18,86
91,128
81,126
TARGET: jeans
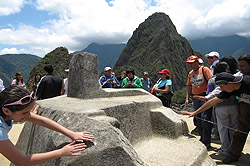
x,y
203,126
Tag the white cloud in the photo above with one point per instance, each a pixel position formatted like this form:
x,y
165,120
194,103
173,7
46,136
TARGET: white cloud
x,y
12,50
81,22
10,6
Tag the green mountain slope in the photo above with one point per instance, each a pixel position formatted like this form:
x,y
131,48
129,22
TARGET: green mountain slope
x,y
59,58
228,45
107,53
10,64
155,45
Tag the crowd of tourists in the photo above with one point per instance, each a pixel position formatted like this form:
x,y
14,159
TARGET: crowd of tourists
x,y
219,93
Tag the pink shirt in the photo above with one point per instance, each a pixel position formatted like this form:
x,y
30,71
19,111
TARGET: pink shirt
x,y
19,83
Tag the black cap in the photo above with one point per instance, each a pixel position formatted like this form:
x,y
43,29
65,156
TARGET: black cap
x,y
130,71
224,78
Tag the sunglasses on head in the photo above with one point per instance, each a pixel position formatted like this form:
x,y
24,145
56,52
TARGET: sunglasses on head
x,y
23,101
210,57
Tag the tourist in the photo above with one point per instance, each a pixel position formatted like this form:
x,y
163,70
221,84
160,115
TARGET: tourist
x,y
146,82
239,86
65,83
131,81
213,58
35,83
226,111
244,64
121,77
50,85
197,85
18,80
163,88
108,80
17,104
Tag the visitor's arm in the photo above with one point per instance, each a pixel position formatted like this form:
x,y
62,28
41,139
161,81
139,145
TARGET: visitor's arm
x,y
48,123
166,90
8,149
210,103
189,90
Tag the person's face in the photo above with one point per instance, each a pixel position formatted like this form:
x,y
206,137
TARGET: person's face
x,y
20,76
211,59
244,67
38,77
20,116
227,87
163,76
145,76
66,74
108,73
130,75
193,66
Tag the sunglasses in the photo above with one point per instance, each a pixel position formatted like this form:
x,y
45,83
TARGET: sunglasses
x,y
210,57
23,101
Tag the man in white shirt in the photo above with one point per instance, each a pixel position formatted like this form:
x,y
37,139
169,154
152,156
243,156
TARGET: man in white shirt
x,y
213,58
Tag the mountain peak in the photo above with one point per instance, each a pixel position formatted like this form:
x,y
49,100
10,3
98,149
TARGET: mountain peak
x,y
155,45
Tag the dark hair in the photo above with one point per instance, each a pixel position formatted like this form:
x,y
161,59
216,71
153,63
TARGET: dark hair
x,y
35,81
130,71
16,77
11,94
48,68
232,63
245,57
221,67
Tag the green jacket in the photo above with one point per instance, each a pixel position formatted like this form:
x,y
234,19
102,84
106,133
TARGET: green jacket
x,y
136,82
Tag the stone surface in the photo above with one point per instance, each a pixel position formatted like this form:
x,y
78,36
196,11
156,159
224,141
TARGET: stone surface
x,y
83,76
131,127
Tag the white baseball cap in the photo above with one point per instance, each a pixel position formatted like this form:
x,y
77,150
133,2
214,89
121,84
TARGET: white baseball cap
x,y
107,68
213,53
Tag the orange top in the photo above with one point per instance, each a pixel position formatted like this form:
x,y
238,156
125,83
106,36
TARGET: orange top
x,y
197,81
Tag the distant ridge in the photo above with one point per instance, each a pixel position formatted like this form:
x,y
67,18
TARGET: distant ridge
x,y
107,53
10,64
59,58
227,46
155,45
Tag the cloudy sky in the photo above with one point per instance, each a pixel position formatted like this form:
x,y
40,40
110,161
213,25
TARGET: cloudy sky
x,y
39,26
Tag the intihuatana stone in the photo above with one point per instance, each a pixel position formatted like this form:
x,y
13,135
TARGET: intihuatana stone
x,y
131,127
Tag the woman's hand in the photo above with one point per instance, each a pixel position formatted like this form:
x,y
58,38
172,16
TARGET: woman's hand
x,y
72,149
80,136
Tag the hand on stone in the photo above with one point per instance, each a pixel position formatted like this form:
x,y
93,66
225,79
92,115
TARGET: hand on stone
x,y
72,149
80,136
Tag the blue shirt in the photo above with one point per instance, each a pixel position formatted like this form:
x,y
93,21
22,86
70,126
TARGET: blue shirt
x,y
4,129
103,81
146,84
162,83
